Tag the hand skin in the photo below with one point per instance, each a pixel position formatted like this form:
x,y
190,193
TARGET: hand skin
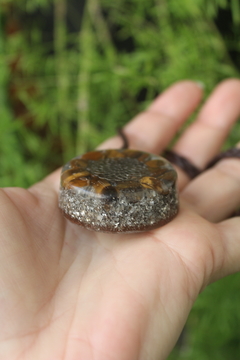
x,y
70,294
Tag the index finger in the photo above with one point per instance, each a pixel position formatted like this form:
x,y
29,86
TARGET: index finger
x,y
152,129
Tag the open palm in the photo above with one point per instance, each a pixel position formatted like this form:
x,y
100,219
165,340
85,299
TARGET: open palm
x,y
70,294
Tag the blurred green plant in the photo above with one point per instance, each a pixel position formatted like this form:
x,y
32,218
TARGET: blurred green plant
x,y
63,93
79,86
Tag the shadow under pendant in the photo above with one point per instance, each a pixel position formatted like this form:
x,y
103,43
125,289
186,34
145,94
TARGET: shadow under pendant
x,y
119,191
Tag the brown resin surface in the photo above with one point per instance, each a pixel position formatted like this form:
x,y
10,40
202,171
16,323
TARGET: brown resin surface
x,y
119,191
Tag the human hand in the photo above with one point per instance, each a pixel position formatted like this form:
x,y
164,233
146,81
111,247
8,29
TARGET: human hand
x,y
68,293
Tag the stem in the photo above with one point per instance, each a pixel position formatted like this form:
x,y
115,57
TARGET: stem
x,y
86,50
60,37
102,31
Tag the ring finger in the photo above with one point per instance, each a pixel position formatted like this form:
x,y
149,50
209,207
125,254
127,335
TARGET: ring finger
x,y
204,138
219,185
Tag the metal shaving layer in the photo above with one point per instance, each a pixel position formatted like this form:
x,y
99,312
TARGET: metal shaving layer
x,y
130,211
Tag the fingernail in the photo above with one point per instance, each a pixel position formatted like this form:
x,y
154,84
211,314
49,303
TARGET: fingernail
x,y
200,84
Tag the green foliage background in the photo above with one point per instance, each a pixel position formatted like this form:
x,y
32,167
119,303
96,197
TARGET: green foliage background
x,y
87,82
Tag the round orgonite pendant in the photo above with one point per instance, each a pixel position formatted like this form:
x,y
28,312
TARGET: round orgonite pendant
x,y
123,191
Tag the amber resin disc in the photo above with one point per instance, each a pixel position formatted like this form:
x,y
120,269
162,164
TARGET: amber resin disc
x,y
119,191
